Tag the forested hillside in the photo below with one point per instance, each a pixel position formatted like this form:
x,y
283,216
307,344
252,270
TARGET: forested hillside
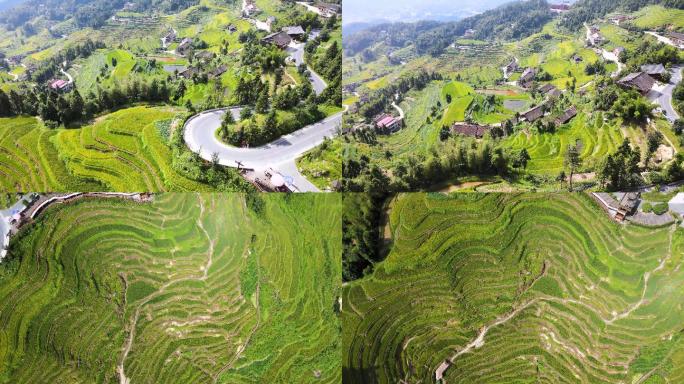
x,y
587,10
512,21
85,13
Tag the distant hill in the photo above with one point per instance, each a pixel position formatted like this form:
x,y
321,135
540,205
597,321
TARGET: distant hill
x,y
511,21
85,13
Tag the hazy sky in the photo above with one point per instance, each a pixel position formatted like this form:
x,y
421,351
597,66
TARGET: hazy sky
x,y
412,10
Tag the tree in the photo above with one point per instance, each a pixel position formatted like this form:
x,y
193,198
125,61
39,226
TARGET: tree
x,y
561,178
572,161
262,102
678,126
5,106
653,139
620,170
523,158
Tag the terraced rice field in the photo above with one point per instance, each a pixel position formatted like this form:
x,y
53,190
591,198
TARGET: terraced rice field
x,y
123,151
29,161
535,288
595,138
187,288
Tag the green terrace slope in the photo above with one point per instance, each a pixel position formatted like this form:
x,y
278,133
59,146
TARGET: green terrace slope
x,y
557,291
187,288
127,150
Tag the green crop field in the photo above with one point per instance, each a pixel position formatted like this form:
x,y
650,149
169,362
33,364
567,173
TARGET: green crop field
x,y
657,16
122,151
595,138
187,288
531,288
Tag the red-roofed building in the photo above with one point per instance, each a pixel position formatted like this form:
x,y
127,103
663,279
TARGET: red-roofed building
x,y
387,123
60,85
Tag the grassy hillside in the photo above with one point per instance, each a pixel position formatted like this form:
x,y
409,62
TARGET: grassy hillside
x,y
565,295
185,289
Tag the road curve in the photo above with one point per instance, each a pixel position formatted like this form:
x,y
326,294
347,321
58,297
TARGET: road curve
x,y
200,136
666,99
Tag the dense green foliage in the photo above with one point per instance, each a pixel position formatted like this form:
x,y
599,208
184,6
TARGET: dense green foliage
x,y
184,289
566,294
361,219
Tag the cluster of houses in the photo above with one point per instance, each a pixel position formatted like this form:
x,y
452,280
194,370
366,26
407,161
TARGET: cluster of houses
x,y
326,10
677,39
284,37
169,38
594,37
249,8
560,8
619,19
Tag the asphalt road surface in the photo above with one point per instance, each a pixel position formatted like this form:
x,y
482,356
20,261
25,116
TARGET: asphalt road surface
x,y
296,51
665,100
200,136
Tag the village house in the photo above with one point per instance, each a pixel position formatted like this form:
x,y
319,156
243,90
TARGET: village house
x,y
15,60
232,28
471,130
640,81
577,58
550,90
534,114
205,56
184,46
188,72
677,39
328,10
525,80
657,71
595,37
618,51
628,204
250,9
618,19
512,66
169,38
60,85
560,8
387,123
280,39
568,115
295,32
220,70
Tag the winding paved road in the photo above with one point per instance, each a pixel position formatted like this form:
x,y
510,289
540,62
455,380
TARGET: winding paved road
x,y
296,51
200,136
665,99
